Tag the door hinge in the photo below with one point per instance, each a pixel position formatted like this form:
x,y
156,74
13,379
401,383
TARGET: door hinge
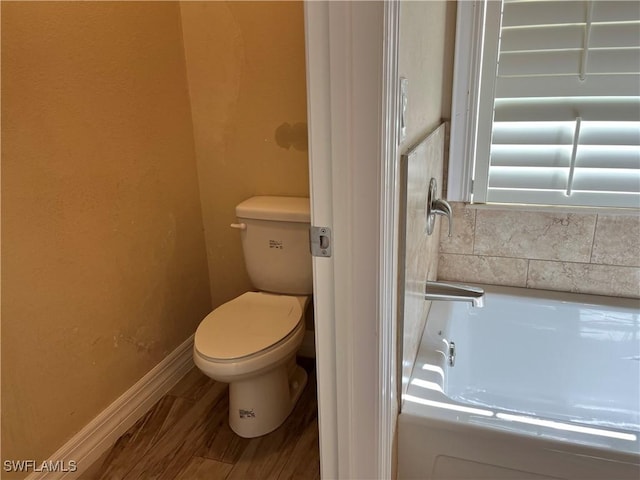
x,y
320,241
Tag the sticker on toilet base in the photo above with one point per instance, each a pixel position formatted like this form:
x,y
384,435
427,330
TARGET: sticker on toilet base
x,y
247,413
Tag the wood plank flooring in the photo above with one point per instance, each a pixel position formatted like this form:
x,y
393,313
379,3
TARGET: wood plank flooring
x,y
186,436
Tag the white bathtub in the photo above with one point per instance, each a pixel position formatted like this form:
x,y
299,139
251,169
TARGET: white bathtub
x,y
544,385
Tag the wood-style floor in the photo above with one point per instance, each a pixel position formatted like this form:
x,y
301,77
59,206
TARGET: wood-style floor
x,y
186,436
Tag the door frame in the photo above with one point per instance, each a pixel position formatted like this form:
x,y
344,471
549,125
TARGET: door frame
x,y
353,105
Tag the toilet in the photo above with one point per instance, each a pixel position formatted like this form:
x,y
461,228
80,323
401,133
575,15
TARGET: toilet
x,y
251,341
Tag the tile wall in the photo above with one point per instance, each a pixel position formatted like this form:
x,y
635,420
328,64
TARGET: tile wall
x,y
574,252
420,258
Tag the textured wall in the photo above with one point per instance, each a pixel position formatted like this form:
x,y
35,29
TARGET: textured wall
x,y
103,256
427,38
246,72
577,252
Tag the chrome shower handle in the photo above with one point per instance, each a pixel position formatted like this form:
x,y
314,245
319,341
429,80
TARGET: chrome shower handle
x,y
437,206
442,207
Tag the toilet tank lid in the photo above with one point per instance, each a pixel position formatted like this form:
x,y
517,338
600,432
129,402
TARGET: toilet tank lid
x,y
281,209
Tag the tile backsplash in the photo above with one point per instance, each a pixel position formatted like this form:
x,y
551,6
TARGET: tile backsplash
x,y
574,252
419,257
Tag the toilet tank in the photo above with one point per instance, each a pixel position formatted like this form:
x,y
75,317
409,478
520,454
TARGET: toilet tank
x,y
275,242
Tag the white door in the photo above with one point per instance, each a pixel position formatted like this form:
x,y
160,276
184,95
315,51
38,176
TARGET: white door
x,y
352,112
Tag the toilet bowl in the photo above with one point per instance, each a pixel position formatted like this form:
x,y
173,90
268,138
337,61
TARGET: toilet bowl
x,y
250,343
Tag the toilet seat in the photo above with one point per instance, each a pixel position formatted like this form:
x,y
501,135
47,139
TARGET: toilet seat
x,y
250,324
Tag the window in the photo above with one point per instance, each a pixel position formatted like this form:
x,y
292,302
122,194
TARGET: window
x,y
547,103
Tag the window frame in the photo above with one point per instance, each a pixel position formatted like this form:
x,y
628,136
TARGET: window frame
x,y
467,62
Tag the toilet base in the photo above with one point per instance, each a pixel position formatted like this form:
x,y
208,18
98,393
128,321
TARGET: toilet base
x,y
261,404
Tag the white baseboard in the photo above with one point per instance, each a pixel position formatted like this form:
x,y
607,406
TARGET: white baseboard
x,y
90,443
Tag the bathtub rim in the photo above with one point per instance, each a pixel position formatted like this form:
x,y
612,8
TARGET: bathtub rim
x,y
630,450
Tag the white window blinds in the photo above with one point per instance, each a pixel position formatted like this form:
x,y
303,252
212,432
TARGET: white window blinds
x,y
566,120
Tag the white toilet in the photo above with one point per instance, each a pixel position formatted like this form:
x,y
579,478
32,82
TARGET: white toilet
x,y
251,341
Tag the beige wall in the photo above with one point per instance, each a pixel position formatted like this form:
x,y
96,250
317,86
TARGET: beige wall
x,y
427,32
246,72
427,37
103,255
578,252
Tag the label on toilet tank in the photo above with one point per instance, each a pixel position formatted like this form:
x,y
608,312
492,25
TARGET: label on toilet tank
x,y
246,413
276,244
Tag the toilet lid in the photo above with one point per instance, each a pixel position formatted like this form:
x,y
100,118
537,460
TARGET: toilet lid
x,y
246,325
